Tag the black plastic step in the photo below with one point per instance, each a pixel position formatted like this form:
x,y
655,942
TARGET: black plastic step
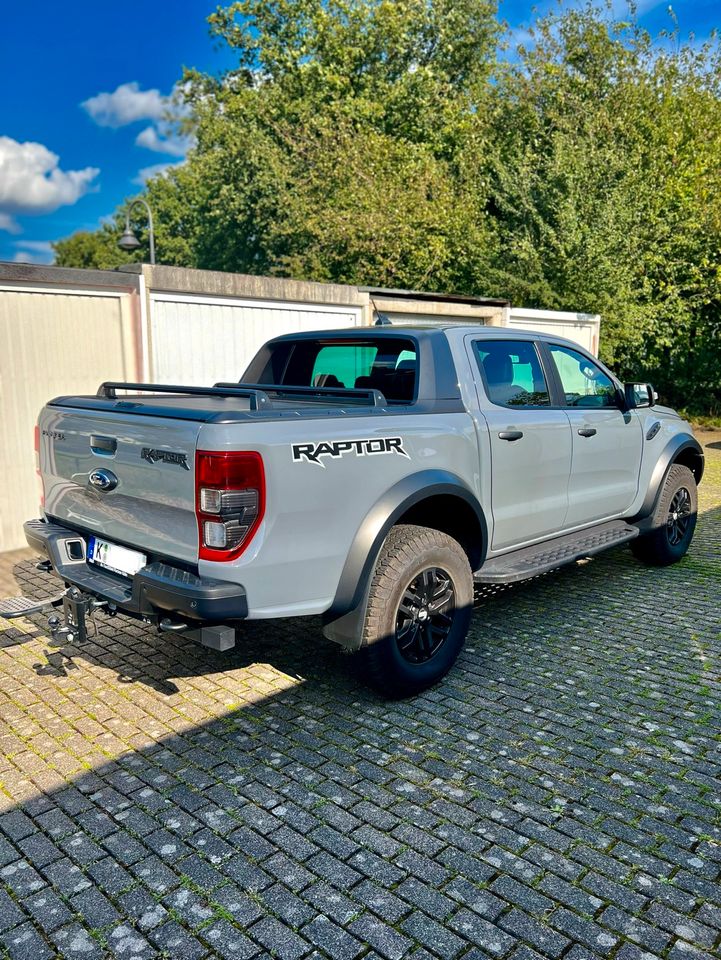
x,y
542,557
12,607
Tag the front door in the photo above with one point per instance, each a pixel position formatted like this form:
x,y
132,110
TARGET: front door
x,y
530,444
607,441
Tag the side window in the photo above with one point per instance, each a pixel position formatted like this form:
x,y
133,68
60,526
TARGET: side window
x,y
512,373
583,383
341,365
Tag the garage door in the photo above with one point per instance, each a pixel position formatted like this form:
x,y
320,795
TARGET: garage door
x,y
201,340
52,342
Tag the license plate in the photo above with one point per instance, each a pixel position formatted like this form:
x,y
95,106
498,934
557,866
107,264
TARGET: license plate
x,y
113,557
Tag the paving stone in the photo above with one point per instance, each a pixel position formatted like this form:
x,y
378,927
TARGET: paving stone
x,y
479,900
650,938
683,927
124,941
93,908
585,932
287,906
74,941
387,941
381,901
337,943
140,906
279,939
177,943
431,934
10,915
327,900
25,943
537,934
487,936
526,897
233,900
188,906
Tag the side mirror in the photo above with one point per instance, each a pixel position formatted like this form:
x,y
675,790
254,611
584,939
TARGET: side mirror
x,y
639,395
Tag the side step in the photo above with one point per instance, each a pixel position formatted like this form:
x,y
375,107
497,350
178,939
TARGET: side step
x,y
542,557
12,607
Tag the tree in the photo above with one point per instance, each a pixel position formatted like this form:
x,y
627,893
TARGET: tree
x,y
385,142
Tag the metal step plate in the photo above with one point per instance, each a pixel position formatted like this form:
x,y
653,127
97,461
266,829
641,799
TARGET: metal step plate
x,y
11,607
532,561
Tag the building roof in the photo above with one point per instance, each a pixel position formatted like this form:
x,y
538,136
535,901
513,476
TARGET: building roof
x,y
436,297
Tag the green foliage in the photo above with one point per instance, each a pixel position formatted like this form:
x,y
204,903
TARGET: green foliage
x,y
388,142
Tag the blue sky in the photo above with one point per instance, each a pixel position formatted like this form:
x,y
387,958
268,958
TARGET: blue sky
x,y
83,85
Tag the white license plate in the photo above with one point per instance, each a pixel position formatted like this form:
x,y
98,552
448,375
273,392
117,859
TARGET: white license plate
x,y
113,557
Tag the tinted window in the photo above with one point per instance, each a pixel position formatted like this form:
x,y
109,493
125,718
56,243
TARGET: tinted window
x,y
512,373
387,364
583,383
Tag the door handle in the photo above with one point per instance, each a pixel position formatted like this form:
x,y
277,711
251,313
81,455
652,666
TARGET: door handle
x,y
587,432
510,435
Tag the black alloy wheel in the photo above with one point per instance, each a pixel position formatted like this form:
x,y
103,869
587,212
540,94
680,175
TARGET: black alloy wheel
x,y
679,516
425,615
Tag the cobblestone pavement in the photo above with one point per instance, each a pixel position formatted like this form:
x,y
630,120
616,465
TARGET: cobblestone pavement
x,y
557,796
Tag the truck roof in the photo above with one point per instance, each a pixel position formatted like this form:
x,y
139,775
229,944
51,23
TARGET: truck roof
x,y
426,331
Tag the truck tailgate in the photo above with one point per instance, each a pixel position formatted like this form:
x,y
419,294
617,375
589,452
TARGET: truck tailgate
x,y
150,466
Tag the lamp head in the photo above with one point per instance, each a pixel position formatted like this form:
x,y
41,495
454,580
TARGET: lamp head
x,y
128,241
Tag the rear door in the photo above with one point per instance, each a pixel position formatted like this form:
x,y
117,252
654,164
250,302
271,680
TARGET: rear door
x,y
149,463
607,441
530,442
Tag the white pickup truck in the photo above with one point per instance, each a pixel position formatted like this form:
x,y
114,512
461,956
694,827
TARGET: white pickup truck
x,y
369,476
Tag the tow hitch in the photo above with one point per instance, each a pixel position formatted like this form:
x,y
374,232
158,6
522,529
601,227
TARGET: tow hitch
x,y
76,607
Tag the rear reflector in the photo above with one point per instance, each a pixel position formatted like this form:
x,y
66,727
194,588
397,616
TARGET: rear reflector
x,y
230,502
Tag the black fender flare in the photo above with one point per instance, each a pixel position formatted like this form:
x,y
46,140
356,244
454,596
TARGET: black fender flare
x,y
349,601
669,455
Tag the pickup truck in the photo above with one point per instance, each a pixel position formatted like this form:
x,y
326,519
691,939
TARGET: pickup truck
x,y
369,475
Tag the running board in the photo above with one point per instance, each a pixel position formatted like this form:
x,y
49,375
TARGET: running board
x,y
12,607
542,557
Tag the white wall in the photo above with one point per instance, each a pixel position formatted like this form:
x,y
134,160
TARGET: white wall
x,y
200,340
582,328
53,341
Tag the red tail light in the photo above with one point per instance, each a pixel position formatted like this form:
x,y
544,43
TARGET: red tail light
x,y
229,502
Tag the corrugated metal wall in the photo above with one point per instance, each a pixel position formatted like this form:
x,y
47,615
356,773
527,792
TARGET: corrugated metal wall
x,y
52,342
201,340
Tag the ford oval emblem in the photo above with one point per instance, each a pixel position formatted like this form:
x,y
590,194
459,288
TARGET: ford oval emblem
x,y
103,479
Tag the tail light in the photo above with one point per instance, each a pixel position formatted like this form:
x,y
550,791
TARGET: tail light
x,y
229,502
41,485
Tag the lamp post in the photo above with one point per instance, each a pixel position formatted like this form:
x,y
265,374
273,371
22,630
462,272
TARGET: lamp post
x,y
129,241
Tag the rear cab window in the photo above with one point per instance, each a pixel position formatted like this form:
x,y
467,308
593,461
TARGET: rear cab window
x,y
388,364
512,373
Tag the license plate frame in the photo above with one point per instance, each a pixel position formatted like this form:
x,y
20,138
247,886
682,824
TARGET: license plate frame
x,y
113,557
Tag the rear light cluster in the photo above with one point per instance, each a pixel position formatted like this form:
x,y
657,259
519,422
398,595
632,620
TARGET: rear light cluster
x,y
229,501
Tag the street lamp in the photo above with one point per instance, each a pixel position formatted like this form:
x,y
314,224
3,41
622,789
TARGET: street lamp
x,y
129,241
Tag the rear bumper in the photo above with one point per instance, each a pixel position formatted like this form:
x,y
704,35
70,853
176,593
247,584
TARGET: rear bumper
x,y
159,589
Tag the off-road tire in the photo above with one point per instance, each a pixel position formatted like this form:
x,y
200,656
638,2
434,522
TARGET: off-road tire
x,y
414,555
662,545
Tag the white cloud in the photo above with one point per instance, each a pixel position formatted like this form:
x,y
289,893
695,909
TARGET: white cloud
x,y
8,224
174,145
125,105
34,251
156,169
32,183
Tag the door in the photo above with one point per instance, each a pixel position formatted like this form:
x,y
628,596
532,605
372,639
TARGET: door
x,y
530,442
606,440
